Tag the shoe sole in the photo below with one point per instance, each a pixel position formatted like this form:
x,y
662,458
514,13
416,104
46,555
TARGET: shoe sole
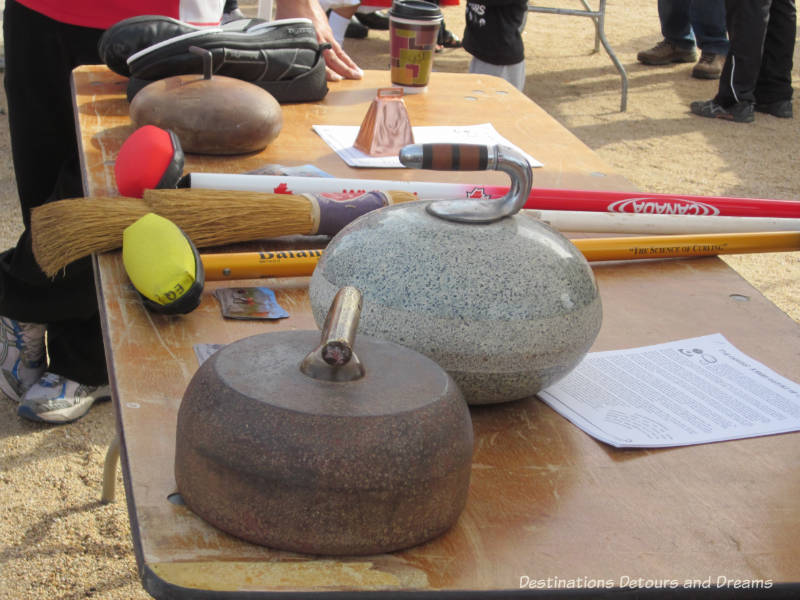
x,y
774,114
658,63
704,75
723,117
730,118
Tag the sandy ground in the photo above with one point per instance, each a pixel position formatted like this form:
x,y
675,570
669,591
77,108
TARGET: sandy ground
x,y
58,542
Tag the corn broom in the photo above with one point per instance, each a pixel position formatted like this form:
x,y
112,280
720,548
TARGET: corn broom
x,y
66,230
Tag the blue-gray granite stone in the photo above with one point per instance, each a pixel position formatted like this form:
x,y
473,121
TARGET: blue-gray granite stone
x,y
505,308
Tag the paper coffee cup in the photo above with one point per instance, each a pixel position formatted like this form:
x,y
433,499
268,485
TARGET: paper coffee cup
x,y
413,29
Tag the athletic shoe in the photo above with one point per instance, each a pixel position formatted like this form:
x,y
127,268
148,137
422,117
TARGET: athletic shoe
x,y
741,112
709,66
378,19
781,108
665,52
56,399
355,30
22,358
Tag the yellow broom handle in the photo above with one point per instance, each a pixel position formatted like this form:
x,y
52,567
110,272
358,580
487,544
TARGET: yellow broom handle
x,y
681,246
252,265
295,263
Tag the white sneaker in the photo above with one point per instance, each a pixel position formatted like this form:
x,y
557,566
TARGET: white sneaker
x,y
22,358
56,399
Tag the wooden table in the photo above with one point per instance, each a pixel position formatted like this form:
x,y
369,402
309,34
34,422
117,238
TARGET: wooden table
x,y
546,500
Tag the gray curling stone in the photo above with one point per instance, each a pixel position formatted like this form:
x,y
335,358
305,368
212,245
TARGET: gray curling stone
x,y
501,301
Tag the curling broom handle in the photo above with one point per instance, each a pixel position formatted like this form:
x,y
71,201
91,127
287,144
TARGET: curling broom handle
x,y
539,198
295,263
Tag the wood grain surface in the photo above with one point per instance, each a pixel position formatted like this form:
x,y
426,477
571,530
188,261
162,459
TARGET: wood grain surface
x,y
546,501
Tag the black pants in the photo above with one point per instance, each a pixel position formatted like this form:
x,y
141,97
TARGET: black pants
x,y
759,63
40,53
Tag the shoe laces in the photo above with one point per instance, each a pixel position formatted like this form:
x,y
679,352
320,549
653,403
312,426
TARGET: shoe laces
x,y
50,380
30,340
664,44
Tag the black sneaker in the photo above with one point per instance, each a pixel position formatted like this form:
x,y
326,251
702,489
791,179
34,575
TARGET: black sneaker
x,y
355,30
741,112
282,56
781,108
377,20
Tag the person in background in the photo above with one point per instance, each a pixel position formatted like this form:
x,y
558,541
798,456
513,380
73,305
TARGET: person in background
x,y
493,36
757,75
52,359
353,19
446,38
685,25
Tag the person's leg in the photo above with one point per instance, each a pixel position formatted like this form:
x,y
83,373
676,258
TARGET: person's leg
x,y
341,19
707,18
708,23
747,26
735,99
514,74
773,91
675,23
40,55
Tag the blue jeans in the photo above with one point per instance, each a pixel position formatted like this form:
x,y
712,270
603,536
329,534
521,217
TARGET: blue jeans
x,y
686,22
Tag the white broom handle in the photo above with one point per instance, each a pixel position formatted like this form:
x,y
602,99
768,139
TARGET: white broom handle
x,y
648,224
562,220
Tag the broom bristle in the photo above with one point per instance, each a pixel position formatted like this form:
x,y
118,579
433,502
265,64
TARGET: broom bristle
x,y
213,217
66,230
396,197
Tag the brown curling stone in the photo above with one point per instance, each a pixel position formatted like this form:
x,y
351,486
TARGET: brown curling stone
x,y
217,115
351,449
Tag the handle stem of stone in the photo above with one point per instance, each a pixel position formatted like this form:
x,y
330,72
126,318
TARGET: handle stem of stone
x,y
334,358
207,59
472,157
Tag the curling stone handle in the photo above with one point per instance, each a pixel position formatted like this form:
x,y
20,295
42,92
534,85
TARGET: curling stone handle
x,y
334,358
207,58
474,157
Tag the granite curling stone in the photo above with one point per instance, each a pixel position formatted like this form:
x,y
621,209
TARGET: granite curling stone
x,y
284,457
210,115
507,306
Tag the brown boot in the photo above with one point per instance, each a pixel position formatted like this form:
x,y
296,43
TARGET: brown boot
x,y
709,66
665,52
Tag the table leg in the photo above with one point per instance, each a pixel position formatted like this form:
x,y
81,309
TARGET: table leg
x,y
598,16
110,471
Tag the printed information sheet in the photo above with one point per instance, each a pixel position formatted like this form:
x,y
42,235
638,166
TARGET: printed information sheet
x,y
691,391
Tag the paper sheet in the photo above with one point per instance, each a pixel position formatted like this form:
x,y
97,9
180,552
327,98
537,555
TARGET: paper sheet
x,y
691,391
341,137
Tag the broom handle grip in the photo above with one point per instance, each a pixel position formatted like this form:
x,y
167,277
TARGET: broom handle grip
x,y
447,157
539,198
328,216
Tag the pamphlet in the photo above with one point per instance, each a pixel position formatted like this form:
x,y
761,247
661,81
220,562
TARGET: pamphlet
x,y
691,391
341,137
249,303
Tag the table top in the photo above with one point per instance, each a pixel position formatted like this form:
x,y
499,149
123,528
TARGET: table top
x,y
549,507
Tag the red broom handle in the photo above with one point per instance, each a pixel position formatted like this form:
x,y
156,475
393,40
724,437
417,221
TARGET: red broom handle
x,y
539,198
634,202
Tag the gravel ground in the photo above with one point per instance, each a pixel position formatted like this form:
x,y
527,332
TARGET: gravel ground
x,y
58,542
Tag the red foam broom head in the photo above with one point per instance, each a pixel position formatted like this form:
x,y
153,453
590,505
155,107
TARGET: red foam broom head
x,y
150,158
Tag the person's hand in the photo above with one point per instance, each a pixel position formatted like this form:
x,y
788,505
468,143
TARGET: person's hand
x,y
338,65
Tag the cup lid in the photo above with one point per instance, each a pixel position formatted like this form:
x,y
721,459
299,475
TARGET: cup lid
x,y
418,10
